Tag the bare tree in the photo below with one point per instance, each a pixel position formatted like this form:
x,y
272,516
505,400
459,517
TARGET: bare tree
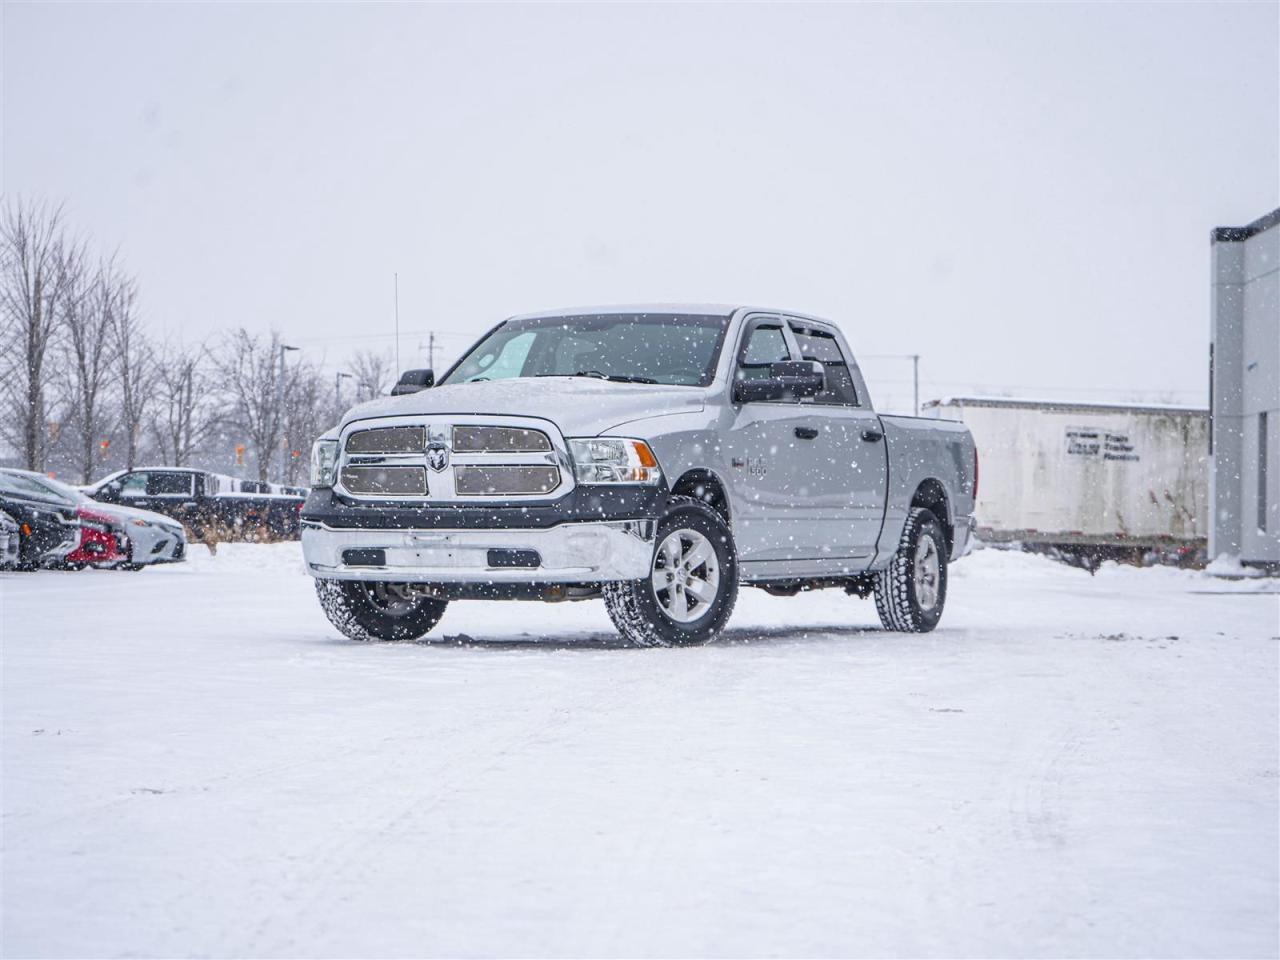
x,y
87,320
34,277
180,420
248,371
373,374
135,360
306,409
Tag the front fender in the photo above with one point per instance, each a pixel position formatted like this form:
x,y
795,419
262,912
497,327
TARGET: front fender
x,y
682,441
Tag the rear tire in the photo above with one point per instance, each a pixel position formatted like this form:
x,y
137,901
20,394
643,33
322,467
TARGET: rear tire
x,y
369,611
693,548
912,590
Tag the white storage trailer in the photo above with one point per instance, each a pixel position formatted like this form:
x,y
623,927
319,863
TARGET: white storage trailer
x,y
1087,474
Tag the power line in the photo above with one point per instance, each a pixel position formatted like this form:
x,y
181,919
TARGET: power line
x,y
470,338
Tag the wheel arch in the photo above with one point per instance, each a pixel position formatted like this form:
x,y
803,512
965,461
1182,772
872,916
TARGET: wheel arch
x,y
931,495
705,485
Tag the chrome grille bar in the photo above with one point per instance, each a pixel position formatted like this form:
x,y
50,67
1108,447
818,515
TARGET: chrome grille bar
x,y
476,481
482,439
391,440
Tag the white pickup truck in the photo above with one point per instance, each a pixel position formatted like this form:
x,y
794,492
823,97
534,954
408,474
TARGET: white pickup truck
x,y
655,456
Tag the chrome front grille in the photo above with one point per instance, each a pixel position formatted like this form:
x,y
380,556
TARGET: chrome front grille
x,y
463,458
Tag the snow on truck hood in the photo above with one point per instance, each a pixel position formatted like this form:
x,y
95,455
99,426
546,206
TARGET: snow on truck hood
x,y
579,406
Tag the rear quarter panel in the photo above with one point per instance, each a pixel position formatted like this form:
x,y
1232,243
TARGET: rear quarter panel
x,y
921,450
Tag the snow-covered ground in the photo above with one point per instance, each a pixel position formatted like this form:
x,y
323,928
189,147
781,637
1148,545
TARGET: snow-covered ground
x,y
194,762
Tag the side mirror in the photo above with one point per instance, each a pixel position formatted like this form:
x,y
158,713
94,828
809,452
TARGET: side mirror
x,y
411,381
791,378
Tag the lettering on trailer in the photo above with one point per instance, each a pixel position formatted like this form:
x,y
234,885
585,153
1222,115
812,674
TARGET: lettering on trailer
x,y
1097,444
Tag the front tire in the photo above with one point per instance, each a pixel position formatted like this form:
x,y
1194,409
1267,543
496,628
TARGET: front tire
x,y
912,590
369,611
692,585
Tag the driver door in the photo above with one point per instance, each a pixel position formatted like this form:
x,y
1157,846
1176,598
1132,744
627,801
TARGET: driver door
x,y
773,516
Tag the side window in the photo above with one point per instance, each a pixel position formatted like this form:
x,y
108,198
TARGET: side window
x,y
821,346
765,345
169,484
133,485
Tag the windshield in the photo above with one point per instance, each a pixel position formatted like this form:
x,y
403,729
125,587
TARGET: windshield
x,y
673,349
31,488
59,489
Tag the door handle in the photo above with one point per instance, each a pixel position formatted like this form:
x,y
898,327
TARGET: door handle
x,y
807,433
871,434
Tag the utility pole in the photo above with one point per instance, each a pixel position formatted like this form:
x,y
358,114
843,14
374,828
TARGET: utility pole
x,y
915,380
915,376
284,348
396,277
431,350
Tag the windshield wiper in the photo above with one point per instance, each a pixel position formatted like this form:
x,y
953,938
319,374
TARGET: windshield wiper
x,y
598,375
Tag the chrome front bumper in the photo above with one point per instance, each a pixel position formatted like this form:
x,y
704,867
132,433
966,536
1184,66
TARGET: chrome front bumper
x,y
567,553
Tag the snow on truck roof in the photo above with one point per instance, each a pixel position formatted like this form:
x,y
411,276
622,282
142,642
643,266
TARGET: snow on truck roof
x,y
1029,403
691,309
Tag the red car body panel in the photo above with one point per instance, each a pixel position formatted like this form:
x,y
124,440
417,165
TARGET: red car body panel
x,y
97,546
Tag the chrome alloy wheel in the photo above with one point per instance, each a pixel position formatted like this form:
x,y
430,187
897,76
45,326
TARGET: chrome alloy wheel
x,y
926,572
686,575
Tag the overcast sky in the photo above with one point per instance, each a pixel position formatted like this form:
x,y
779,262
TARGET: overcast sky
x,y
1020,193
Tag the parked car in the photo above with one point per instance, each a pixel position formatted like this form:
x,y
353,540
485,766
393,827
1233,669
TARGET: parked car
x,y
48,528
652,456
201,500
145,537
103,542
10,541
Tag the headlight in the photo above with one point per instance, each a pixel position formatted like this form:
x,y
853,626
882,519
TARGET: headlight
x,y
324,463
614,460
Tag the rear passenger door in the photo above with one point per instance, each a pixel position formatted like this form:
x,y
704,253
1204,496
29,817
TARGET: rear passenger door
x,y
849,452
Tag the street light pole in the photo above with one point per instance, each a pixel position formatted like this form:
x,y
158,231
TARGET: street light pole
x,y
337,387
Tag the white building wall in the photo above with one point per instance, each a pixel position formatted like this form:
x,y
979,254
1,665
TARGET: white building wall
x,y
1246,391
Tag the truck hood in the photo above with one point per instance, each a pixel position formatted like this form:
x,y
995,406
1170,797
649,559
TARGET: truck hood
x,y
579,406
